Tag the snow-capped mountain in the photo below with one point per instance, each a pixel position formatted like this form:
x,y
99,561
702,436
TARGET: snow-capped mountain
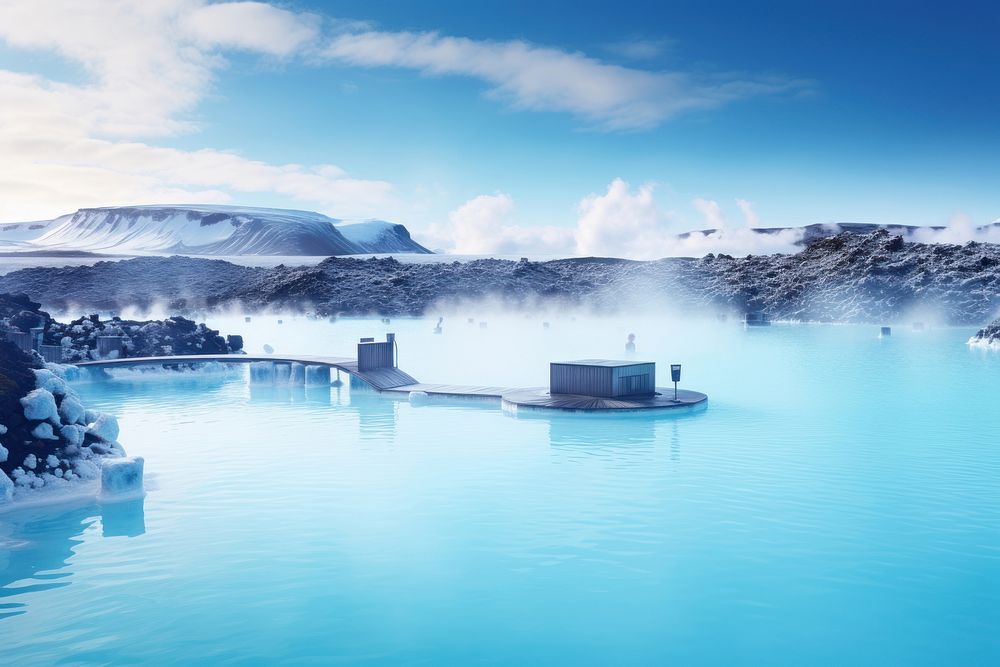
x,y
207,230
15,234
375,236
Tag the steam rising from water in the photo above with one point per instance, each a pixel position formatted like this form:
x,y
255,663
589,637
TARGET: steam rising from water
x,y
505,348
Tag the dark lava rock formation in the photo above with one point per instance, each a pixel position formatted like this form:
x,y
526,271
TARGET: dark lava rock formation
x,y
47,436
988,336
875,277
150,338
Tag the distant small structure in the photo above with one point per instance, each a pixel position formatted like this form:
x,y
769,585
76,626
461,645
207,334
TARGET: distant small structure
x,y
109,347
756,318
37,335
471,320
437,327
281,321
482,325
630,344
51,353
20,338
545,325
885,332
246,319
373,356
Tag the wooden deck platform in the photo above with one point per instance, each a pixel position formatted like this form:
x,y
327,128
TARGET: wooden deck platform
x,y
539,398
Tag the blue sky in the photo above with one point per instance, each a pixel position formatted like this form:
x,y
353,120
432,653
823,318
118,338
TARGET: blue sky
x,y
849,111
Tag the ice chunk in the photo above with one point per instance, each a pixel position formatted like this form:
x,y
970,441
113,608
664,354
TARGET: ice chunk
x,y
6,488
122,476
40,404
318,375
30,461
52,461
72,411
3,429
44,432
105,427
4,453
298,373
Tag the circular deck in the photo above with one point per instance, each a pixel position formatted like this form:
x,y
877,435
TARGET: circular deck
x,y
539,398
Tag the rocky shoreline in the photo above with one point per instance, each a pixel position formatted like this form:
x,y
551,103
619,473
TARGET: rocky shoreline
x,y
48,438
988,336
860,278
49,441
149,338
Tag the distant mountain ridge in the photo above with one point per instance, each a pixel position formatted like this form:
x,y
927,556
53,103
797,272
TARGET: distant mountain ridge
x,y
206,230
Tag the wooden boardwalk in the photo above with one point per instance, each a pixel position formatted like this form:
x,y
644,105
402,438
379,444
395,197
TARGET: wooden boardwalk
x,y
379,379
452,390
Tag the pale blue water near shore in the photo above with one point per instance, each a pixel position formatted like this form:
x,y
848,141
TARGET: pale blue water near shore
x,y
838,502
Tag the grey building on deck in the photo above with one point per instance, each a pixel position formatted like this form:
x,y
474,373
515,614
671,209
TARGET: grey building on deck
x,y
604,378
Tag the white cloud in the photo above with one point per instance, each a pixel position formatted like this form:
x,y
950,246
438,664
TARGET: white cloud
x,y
481,226
533,77
142,68
145,66
621,222
749,215
145,63
255,26
960,229
711,213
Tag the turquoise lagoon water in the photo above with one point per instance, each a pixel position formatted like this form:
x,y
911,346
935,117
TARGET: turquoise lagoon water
x,y
837,503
